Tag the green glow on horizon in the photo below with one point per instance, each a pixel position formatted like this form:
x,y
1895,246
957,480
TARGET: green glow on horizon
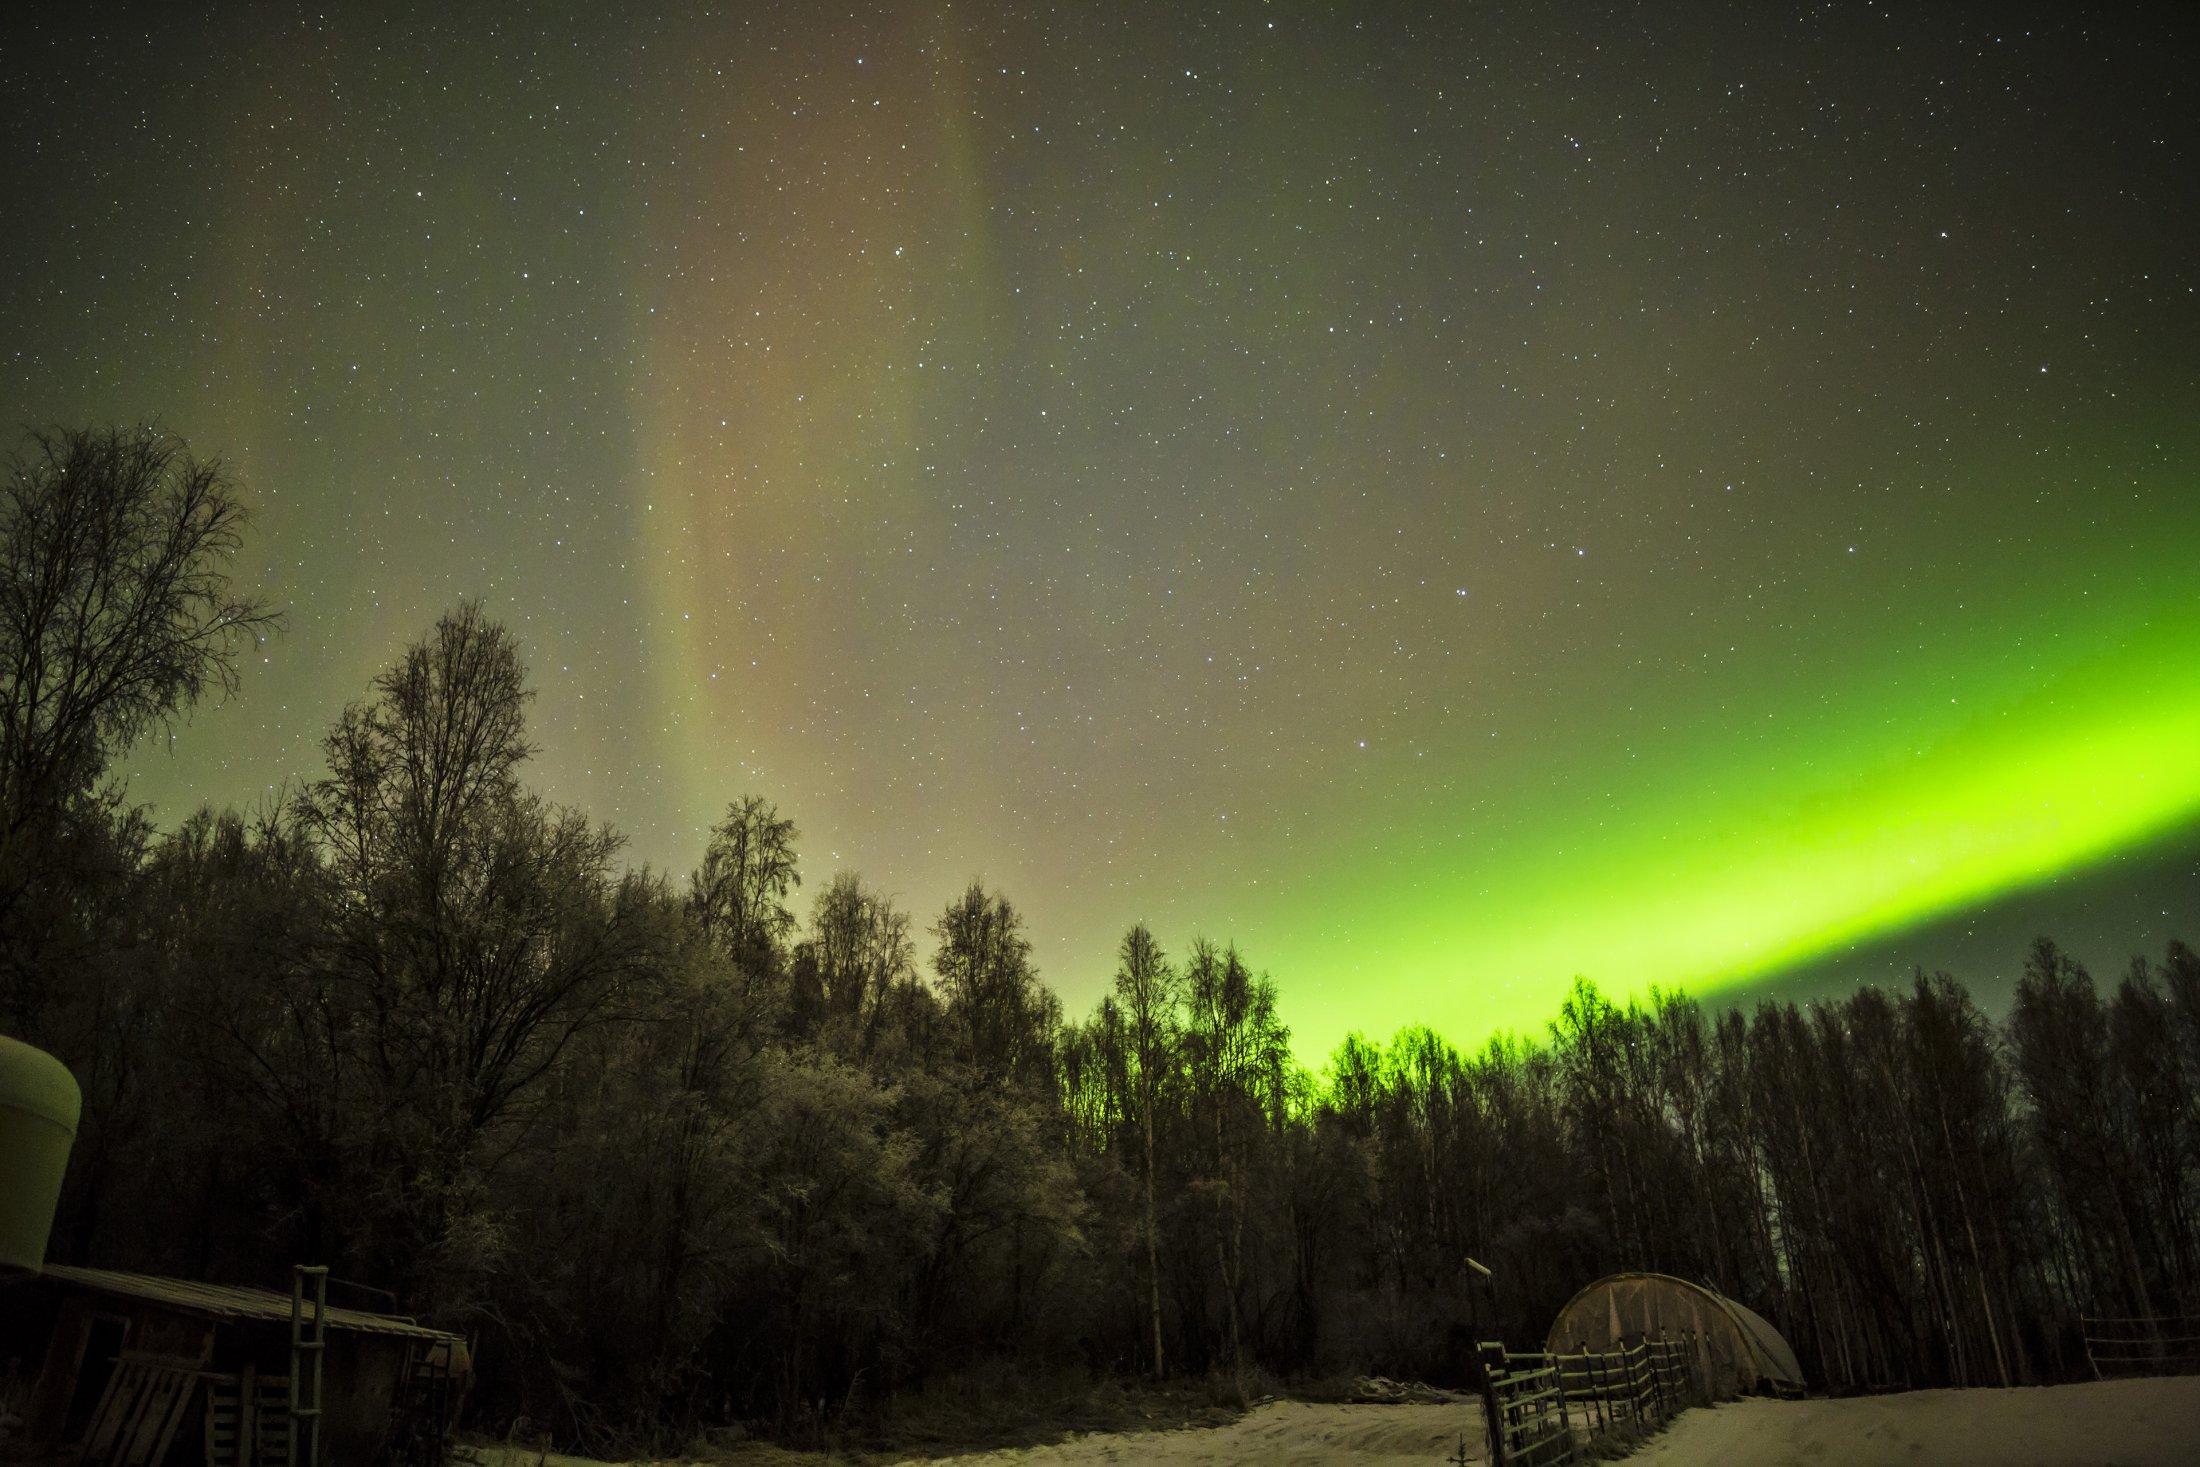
x,y
1705,886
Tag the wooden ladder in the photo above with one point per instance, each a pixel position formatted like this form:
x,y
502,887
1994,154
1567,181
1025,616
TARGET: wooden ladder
x,y
308,1350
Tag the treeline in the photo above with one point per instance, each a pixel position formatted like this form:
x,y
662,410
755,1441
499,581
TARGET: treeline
x,y
686,1151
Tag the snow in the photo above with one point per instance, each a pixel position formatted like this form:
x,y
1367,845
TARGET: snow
x,y
2127,1423
2116,1423
1279,1434
2124,1423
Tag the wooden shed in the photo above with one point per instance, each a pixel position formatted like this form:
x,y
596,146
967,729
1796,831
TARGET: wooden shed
x,y
139,1371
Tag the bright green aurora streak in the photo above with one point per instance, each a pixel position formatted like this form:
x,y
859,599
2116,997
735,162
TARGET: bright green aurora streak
x,y
1730,858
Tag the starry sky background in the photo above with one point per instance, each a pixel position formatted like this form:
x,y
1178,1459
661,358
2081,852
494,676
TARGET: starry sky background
x,y
1449,497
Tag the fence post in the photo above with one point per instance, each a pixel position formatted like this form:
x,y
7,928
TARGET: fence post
x,y
1493,1410
1558,1384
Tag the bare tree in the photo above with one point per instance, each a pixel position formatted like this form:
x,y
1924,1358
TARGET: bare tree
x,y
116,616
739,893
475,929
1146,985
1237,1055
984,967
859,948
2060,1031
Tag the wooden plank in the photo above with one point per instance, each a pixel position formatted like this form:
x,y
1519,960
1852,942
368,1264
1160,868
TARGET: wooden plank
x,y
187,1387
133,1446
113,1401
136,1445
118,1406
160,1408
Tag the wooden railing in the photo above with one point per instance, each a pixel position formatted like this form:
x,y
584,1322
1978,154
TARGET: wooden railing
x,y
2145,1345
1544,1407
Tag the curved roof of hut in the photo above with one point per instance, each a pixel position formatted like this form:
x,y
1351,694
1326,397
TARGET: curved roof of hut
x,y
1762,1354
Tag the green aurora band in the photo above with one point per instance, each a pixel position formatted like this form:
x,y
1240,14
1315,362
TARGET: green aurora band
x,y
1724,866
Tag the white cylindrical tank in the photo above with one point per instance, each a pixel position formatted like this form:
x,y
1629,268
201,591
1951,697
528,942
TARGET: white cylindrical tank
x,y
39,1105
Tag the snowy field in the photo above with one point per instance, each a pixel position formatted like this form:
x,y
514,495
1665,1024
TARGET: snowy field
x,y
1279,1434
2116,1423
2131,1423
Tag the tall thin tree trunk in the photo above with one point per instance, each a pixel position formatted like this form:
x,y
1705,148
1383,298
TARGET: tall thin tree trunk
x,y
1153,1252
1978,1261
1225,1245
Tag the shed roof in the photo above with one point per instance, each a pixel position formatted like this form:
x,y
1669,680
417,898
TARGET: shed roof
x,y
233,1301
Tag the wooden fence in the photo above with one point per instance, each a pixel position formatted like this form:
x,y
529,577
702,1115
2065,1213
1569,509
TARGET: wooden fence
x,y
1544,1407
2149,1345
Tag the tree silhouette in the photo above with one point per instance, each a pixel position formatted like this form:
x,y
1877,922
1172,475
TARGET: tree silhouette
x,y
1145,987
117,615
682,1159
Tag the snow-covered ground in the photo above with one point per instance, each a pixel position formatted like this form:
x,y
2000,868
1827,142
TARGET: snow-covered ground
x,y
1279,1434
2114,1423
2125,1423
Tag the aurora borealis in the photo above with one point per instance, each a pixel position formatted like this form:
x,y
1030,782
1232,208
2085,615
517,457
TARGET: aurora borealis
x,y
1447,497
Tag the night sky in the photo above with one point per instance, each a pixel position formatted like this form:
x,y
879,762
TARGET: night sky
x,y
1447,497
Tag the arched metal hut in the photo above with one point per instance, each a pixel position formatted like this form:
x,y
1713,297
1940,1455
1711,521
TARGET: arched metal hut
x,y
1738,1350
